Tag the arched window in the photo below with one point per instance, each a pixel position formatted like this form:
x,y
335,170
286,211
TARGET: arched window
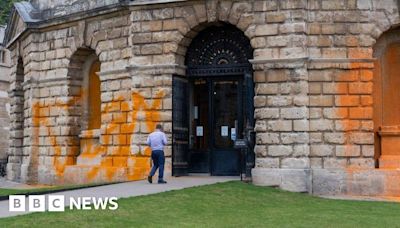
x,y
387,99
94,102
83,69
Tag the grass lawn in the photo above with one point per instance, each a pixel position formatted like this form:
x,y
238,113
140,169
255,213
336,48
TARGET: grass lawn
x,y
232,204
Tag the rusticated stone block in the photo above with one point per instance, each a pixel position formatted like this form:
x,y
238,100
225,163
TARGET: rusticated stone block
x,y
295,163
322,150
279,150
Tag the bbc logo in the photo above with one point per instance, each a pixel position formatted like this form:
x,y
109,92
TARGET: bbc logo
x,y
36,203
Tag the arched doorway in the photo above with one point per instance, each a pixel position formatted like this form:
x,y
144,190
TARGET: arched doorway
x,y
213,104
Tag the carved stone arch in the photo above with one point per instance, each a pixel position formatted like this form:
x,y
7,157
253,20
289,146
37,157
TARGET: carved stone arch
x,y
210,51
192,31
219,49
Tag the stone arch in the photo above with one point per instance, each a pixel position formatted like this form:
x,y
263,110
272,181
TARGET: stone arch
x,y
85,87
203,15
213,50
188,38
387,99
231,44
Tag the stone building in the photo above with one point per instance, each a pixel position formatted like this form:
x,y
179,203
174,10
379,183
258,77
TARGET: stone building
x,y
4,102
310,84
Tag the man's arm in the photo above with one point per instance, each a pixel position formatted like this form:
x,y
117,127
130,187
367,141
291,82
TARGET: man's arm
x,y
164,140
148,140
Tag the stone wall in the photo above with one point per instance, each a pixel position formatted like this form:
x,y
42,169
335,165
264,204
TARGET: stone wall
x,y
4,125
4,103
313,74
335,130
56,8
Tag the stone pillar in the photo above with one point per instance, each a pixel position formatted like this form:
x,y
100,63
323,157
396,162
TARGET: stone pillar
x,y
16,95
341,125
4,106
281,98
153,83
281,113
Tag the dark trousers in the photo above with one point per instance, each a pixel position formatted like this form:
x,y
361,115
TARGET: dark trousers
x,y
158,163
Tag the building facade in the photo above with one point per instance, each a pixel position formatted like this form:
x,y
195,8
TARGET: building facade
x,y
4,102
309,84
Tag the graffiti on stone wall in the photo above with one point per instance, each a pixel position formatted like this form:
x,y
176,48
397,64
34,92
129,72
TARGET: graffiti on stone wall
x,y
111,156
354,114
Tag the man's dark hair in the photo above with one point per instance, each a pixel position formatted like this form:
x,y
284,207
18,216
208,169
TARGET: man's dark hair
x,y
159,127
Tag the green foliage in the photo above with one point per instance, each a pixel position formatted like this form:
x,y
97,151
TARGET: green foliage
x,y
5,7
232,204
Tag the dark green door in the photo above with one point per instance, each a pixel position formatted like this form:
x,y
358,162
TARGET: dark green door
x,y
226,119
216,119
180,126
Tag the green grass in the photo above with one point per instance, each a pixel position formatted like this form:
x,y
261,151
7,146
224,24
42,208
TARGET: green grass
x,y
232,204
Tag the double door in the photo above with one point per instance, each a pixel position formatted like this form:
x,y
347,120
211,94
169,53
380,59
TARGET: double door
x,y
215,121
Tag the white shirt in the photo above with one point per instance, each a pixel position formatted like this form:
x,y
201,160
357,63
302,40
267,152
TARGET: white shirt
x,y
157,140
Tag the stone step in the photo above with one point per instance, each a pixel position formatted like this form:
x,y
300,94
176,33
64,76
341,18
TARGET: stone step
x,y
90,160
84,174
389,162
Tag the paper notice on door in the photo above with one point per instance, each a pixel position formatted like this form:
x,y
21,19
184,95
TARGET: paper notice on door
x,y
199,131
196,112
233,134
224,131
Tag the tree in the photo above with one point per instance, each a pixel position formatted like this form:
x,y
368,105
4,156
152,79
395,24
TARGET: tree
x,y
5,7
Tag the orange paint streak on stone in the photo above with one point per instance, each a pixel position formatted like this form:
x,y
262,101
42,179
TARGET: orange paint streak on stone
x,y
120,124
351,107
118,133
93,173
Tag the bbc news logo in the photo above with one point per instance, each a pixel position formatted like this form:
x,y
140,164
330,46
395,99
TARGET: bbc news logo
x,y
56,203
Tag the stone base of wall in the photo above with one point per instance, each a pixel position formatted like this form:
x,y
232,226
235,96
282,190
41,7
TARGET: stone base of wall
x,y
357,182
3,167
92,173
13,171
295,180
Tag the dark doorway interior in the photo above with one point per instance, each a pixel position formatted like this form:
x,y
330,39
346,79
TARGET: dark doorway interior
x,y
216,117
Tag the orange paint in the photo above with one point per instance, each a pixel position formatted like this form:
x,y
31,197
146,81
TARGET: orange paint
x,y
350,107
363,102
115,150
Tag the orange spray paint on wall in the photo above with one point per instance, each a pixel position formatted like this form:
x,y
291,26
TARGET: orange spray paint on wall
x,y
115,147
355,109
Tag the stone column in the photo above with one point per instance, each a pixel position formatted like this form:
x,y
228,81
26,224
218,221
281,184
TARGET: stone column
x,y
281,98
16,95
152,83
281,113
341,126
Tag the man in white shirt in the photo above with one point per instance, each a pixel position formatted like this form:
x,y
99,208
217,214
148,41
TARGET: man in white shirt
x,y
157,140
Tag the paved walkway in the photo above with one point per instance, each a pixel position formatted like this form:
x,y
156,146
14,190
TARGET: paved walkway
x,y
128,189
15,185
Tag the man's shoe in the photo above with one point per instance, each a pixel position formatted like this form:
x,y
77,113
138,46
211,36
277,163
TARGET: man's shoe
x,y
150,179
162,182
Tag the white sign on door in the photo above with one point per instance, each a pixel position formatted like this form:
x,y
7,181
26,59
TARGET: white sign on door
x,y
233,134
224,131
199,131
